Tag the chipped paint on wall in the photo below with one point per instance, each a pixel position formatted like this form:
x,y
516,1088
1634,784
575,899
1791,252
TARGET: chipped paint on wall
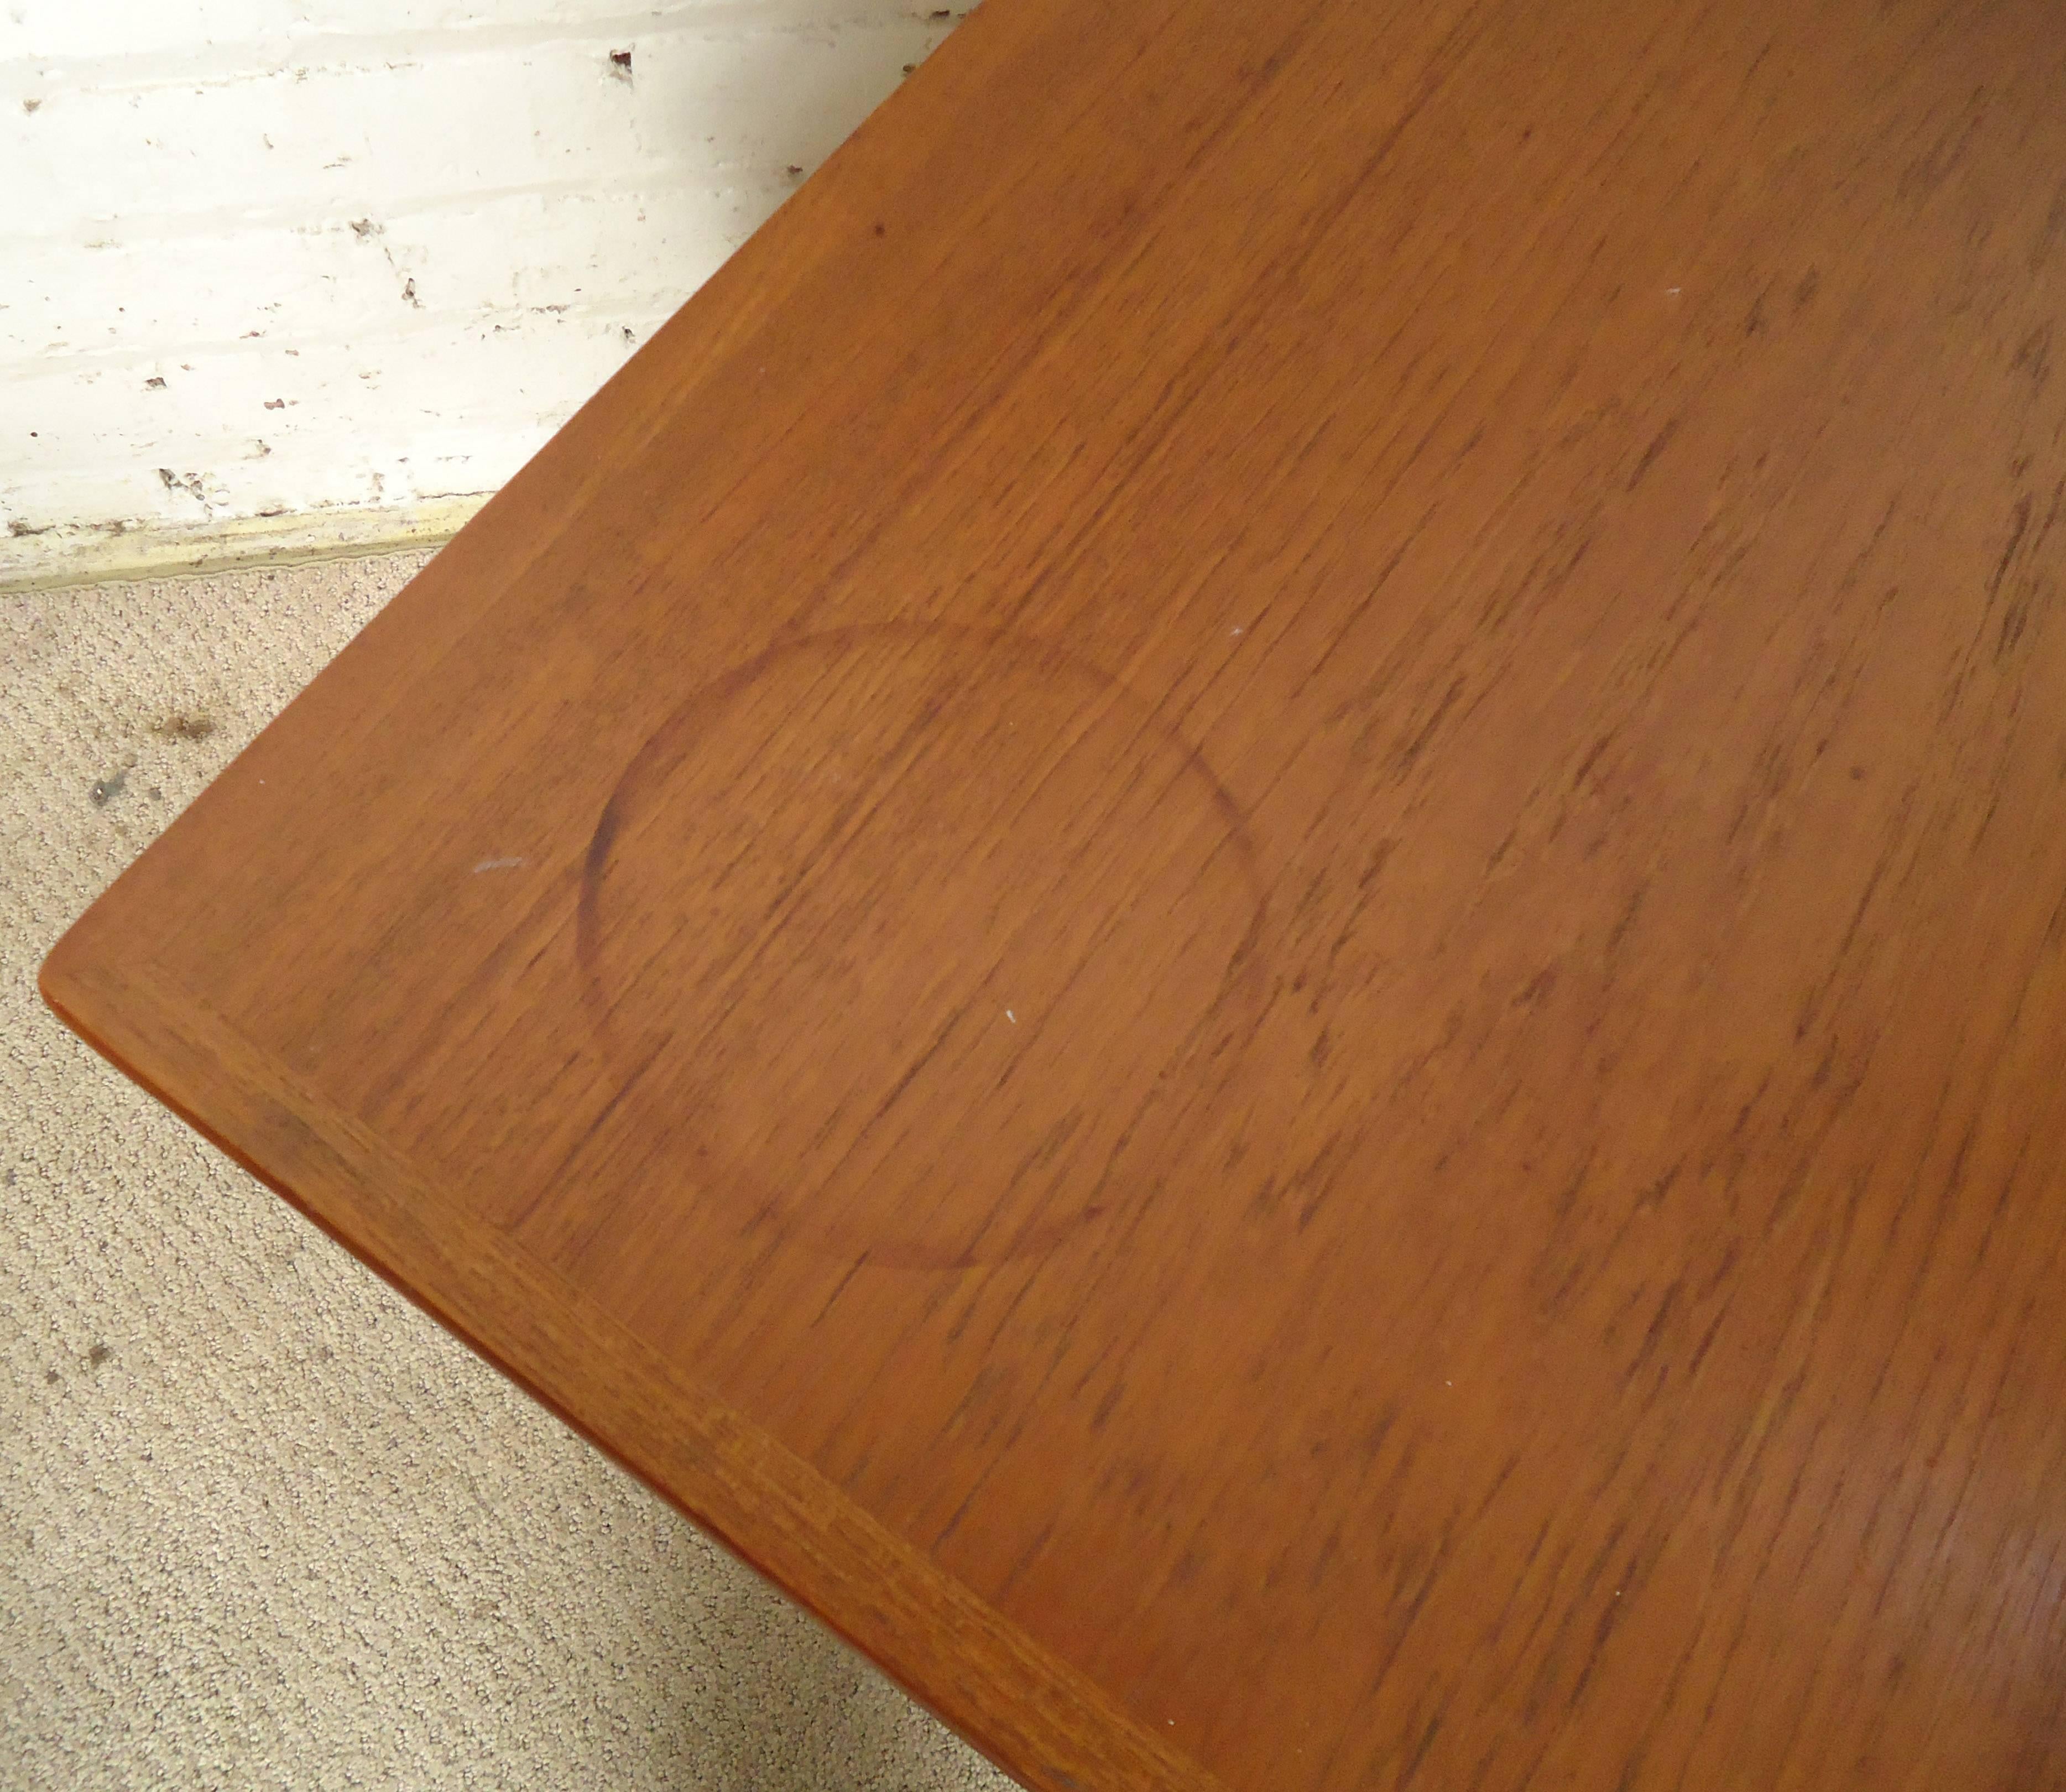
x,y
319,270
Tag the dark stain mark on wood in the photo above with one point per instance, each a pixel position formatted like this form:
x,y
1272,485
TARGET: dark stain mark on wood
x,y
2033,357
1657,444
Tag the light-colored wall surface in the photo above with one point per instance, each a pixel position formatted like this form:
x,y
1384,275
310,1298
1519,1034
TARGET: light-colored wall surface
x,y
296,270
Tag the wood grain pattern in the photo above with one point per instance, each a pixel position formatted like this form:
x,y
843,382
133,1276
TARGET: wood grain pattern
x,y
1247,904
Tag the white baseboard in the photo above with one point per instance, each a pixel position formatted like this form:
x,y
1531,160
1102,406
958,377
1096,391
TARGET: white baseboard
x,y
82,554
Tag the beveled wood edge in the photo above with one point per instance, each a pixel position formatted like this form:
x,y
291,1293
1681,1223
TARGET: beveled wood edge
x,y
1024,1709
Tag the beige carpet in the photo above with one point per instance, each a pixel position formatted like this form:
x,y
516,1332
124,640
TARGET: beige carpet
x,y
260,1522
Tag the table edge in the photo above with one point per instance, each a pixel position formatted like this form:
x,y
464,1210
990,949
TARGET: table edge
x,y
1024,1709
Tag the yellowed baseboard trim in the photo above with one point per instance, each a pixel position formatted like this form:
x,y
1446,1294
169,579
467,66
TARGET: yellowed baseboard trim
x,y
90,553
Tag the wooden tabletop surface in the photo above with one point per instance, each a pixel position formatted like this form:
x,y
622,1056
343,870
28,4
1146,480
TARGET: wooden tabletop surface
x,y
1247,906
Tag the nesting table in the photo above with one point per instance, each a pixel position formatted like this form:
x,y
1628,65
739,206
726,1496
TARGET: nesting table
x,y
1246,907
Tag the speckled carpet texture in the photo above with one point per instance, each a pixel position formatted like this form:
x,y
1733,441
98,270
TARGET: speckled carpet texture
x,y
262,1523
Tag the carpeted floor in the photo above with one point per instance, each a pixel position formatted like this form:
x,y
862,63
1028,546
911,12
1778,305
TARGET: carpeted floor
x,y
260,1522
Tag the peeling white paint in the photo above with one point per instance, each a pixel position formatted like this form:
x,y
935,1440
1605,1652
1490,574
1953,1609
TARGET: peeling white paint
x,y
274,259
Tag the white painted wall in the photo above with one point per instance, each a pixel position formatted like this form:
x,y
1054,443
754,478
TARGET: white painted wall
x,y
270,269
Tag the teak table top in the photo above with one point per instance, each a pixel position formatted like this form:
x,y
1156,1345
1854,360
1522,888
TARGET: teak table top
x,y
1246,906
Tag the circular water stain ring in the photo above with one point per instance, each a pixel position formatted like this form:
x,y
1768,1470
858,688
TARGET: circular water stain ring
x,y
1028,950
